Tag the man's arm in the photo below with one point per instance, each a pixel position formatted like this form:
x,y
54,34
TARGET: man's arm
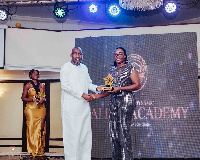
x,y
88,98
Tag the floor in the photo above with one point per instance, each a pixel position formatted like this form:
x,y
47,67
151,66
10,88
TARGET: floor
x,y
46,156
60,156
40,158
26,156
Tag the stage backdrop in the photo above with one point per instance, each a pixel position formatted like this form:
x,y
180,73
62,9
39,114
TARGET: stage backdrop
x,y
166,120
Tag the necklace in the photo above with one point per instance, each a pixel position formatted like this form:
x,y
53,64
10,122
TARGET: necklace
x,y
36,87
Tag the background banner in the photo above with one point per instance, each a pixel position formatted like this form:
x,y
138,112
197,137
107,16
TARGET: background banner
x,y
166,120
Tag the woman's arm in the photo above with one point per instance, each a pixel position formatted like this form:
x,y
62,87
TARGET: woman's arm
x,y
24,94
135,86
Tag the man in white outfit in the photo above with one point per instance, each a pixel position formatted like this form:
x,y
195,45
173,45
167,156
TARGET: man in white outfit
x,y
75,109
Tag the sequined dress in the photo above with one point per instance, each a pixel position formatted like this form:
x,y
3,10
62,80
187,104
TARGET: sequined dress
x,y
122,105
34,113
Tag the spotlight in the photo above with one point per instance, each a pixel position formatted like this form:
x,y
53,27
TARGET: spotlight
x,y
91,11
60,10
114,10
3,14
170,7
93,8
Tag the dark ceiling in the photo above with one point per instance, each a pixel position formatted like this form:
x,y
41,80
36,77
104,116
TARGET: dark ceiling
x,y
188,11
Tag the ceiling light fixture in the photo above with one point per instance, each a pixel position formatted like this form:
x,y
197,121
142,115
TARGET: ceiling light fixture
x,y
3,14
170,7
114,10
93,8
60,10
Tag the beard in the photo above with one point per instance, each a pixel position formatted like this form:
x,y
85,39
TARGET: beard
x,y
76,62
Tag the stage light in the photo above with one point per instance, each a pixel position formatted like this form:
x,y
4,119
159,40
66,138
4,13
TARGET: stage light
x,y
114,10
93,8
91,11
60,10
3,14
170,7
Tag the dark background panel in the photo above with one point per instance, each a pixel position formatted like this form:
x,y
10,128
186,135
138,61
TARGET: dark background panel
x,y
180,47
182,78
166,120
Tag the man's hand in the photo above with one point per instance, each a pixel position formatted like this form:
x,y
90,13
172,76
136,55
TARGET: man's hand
x,y
88,98
99,89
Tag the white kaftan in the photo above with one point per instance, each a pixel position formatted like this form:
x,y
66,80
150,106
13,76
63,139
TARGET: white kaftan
x,y
76,116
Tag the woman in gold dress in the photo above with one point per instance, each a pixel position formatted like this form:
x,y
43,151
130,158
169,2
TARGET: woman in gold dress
x,y
35,111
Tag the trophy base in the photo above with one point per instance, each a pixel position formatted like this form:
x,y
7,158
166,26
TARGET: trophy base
x,y
107,88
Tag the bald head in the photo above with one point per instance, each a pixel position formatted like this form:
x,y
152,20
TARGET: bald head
x,y
76,48
76,56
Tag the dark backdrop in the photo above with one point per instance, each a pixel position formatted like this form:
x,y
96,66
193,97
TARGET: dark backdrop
x,y
166,120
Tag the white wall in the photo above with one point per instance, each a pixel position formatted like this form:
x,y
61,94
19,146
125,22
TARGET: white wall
x,y
11,114
49,50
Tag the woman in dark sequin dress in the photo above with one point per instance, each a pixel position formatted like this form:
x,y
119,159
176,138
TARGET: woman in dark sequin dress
x,y
122,104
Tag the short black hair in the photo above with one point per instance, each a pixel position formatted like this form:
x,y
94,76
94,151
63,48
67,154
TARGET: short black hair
x,y
32,70
126,60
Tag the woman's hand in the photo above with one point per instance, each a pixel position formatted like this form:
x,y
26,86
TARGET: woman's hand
x,y
41,100
99,89
116,90
35,100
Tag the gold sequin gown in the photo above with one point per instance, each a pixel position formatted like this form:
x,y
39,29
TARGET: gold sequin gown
x,y
34,113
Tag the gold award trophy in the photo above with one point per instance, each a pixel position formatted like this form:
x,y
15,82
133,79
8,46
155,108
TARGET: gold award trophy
x,y
40,94
108,83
